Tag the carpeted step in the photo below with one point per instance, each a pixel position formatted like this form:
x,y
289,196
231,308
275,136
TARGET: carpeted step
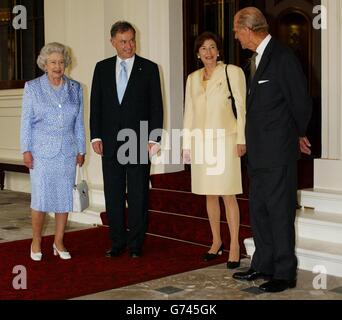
x,y
192,229
177,202
181,181
177,213
187,228
186,203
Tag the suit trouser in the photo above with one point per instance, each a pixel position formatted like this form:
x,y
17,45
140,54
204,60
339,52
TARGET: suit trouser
x,y
136,177
272,198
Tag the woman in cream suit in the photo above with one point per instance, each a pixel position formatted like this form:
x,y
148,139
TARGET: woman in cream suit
x,y
52,143
214,140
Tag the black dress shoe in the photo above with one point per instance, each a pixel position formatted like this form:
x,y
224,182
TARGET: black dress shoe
x,y
114,252
277,285
250,275
233,264
211,256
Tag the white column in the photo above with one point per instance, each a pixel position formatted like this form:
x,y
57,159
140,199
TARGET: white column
x,y
327,193
328,170
166,48
332,81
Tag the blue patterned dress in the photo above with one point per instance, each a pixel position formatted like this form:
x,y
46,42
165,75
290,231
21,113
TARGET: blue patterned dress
x,y
52,129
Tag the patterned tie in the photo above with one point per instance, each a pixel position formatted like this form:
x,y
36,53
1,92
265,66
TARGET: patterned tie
x,y
253,67
123,79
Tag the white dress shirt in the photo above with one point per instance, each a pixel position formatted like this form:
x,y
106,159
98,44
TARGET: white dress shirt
x,y
129,63
261,48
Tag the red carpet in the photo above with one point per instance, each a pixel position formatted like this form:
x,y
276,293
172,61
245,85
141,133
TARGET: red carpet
x,y
177,213
89,271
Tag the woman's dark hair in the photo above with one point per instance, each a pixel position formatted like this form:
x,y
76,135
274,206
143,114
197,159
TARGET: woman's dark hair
x,y
121,26
207,35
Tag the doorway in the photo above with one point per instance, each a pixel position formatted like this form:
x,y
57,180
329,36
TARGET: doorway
x,y
290,22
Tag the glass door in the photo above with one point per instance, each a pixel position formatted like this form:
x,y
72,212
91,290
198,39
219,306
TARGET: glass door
x,y
208,15
19,47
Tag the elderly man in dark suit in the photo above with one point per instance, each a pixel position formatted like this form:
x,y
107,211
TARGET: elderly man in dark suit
x,y
278,112
126,102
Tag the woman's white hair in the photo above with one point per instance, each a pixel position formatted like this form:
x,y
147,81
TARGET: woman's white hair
x,y
52,48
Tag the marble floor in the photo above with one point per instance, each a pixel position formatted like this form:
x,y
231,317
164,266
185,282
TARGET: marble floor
x,y
212,283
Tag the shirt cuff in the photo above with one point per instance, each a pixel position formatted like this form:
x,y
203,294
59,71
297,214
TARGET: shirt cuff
x,y
96,140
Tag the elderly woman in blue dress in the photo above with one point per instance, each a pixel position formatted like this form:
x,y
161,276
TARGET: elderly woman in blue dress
x,y
52,143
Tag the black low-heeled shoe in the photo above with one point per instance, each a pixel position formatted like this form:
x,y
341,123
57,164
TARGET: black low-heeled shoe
x,y
211,256
114,252
233,264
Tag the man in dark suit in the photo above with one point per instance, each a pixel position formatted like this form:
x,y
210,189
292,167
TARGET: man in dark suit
x,y
126,120
278,112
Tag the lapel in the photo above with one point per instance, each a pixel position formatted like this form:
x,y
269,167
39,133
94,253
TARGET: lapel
x,y
132,81
65,91
216,78
112,79
266,57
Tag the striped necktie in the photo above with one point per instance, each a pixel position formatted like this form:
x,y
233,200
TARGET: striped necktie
x,y
253,67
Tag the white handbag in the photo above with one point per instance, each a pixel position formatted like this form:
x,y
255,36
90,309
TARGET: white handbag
x,y
80,193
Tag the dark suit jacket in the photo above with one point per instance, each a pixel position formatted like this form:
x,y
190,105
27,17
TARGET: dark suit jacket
x,y
142,102
278,108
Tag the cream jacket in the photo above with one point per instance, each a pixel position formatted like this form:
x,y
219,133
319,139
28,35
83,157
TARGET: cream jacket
x,y
209,107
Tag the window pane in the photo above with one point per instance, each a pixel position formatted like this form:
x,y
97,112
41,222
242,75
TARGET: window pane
x,y
5,4
39,43
29,5
27,52
5,41
19,48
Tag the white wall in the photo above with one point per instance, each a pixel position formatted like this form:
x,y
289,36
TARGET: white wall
x,y
10,113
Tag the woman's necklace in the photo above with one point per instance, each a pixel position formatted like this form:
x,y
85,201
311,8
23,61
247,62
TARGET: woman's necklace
x,y
208,75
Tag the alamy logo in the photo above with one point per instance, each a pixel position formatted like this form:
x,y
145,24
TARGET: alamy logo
x,y
20,20
320,22
320,281
20,280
